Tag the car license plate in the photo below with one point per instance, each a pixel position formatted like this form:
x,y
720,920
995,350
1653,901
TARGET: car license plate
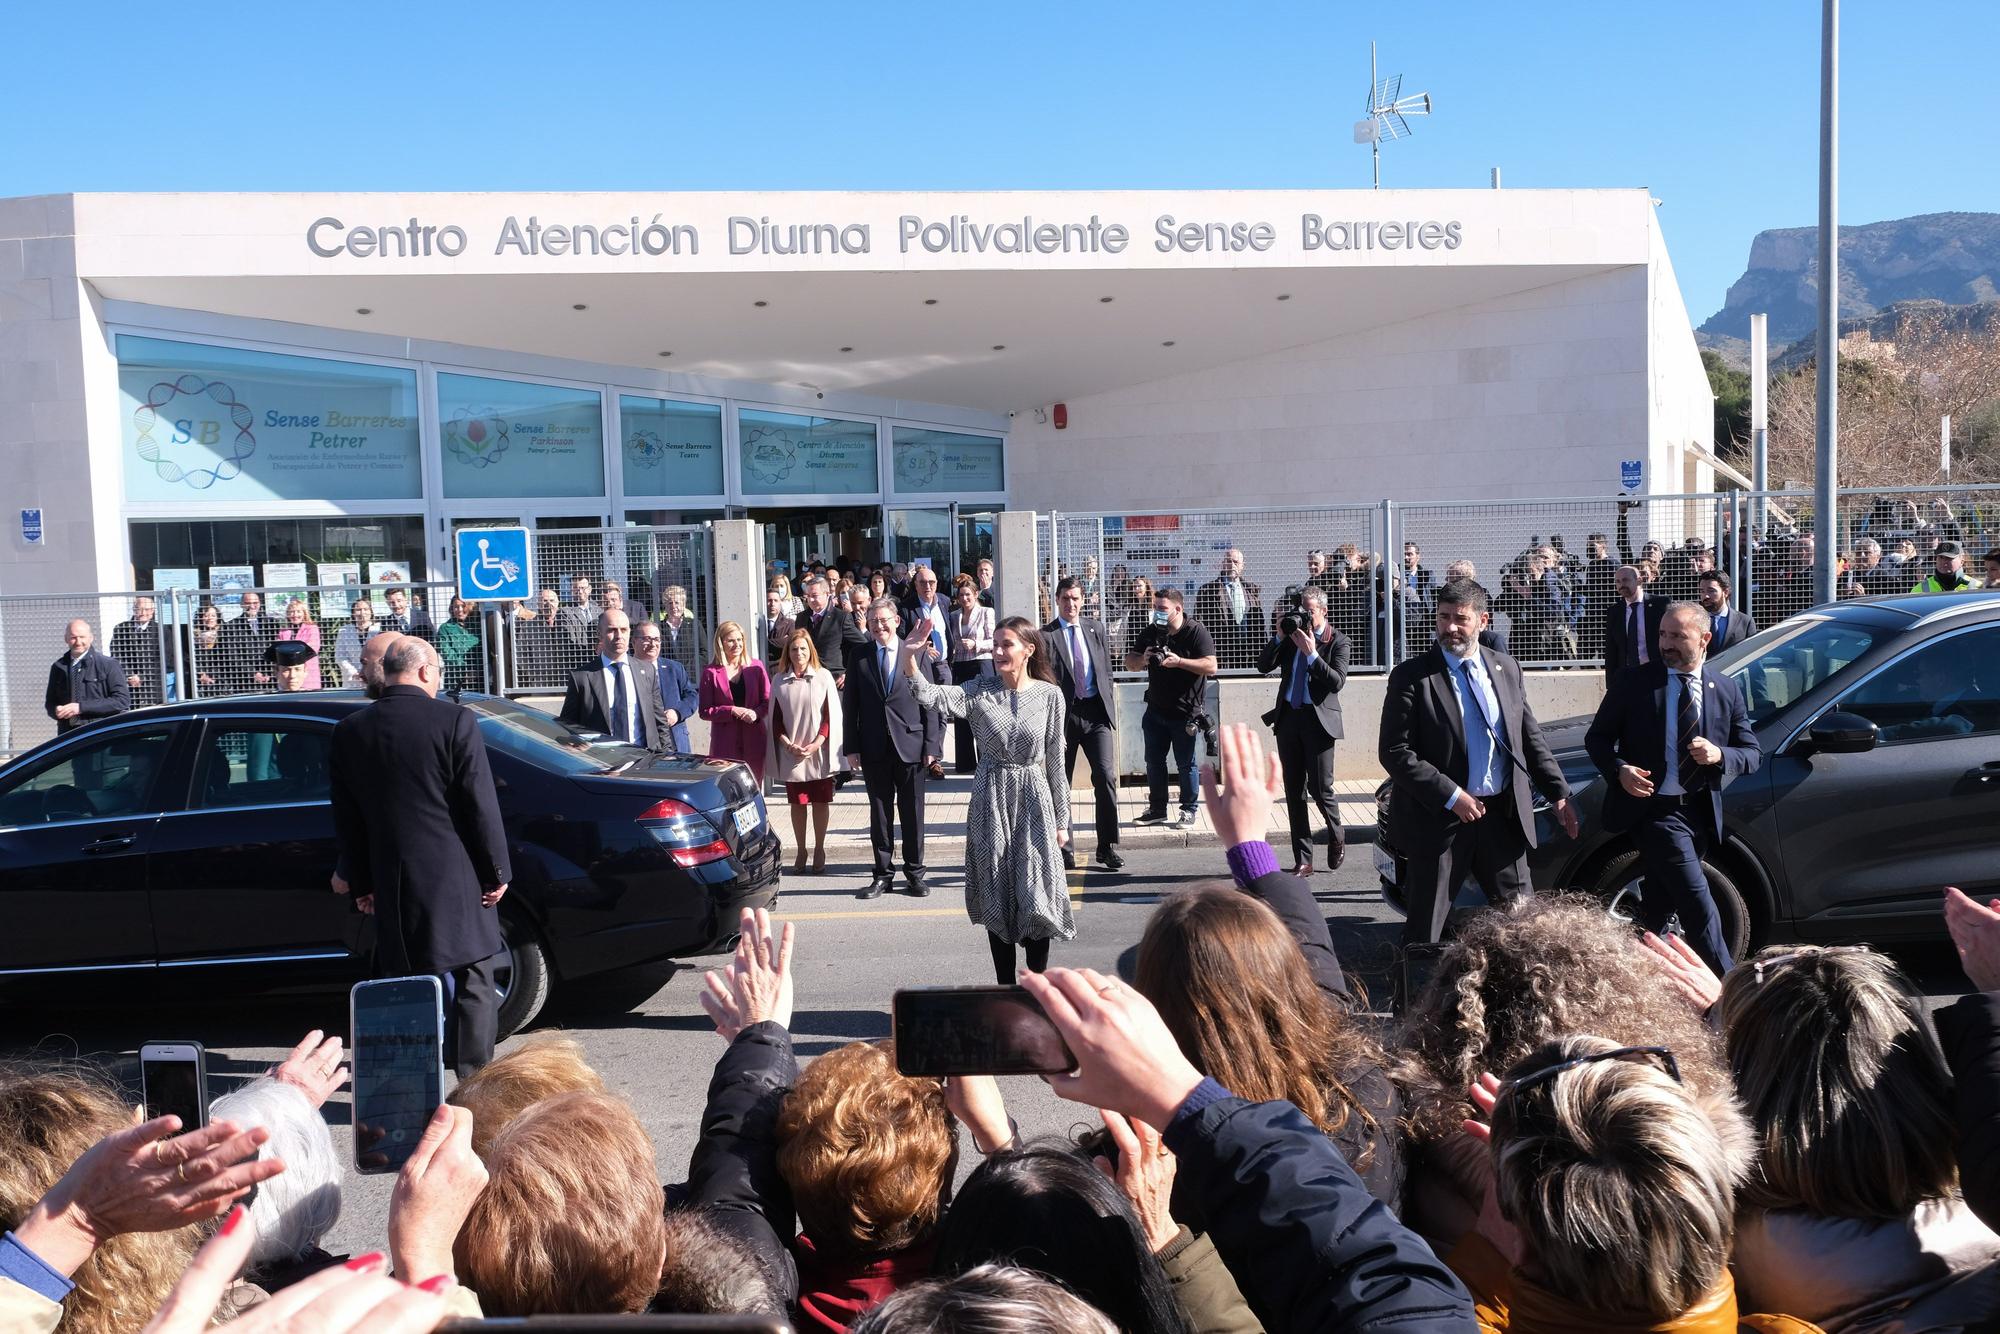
x,y
746,818
1385,865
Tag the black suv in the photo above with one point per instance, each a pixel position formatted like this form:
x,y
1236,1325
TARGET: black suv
x,y
1879,720
190,846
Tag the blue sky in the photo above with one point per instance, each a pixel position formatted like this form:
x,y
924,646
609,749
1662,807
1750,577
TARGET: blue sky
x,y
1712,106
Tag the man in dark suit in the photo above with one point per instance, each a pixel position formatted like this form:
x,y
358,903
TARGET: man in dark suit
x,y
1631,626
405,619
1728,627
419,828
577,619
834,631
890,741
1231,608
246,637
84,684
1466,756
1080,652
1311,663
676,698
137,646
613,694
923,604
1667,738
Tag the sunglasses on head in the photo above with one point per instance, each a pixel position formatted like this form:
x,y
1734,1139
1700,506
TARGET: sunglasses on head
x,y
1534,1077
1759,967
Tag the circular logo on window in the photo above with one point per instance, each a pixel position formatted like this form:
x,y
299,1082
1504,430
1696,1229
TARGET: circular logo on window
x,y
167,397
768,455
645,447
478,440
917,469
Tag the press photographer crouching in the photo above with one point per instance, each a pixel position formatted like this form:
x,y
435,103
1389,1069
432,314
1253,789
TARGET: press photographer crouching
x,y
1178,656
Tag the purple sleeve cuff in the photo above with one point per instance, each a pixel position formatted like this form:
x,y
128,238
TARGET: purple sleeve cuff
x,y
1205,1094
1249,862
31,1271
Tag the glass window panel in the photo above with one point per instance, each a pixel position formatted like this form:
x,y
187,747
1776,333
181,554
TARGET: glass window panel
x,y
1949,688
946,462
264,764
784,455
669,448
114,776
225,423
511,438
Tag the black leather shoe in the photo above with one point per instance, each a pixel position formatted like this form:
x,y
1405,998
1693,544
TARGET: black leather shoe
x,y
1339,856
914,886
1108,858
876,887
1069,859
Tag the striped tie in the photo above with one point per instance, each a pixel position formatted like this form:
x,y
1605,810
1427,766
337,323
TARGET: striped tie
x,y
1687,727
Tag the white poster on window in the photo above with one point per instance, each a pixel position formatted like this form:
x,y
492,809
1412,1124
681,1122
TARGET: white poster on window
x,y
335,607
384,572
283,581
177,577
228,583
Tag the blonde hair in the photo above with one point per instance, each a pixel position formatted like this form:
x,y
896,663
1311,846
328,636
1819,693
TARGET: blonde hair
x,y
571,1220
1623,1179
722,633
541,1068
812,651
49,1117
1851,1099
869,1153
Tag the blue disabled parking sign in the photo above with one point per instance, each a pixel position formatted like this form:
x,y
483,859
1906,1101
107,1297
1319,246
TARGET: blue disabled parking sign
x,y
493,564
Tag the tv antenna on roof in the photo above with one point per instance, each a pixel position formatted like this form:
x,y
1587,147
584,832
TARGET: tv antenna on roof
x,y
1386,108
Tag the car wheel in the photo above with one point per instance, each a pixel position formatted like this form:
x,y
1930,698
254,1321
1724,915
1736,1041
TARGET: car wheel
x,y
524,977
1618,885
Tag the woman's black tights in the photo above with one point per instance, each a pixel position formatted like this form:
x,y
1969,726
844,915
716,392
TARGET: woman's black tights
x,y
1003,957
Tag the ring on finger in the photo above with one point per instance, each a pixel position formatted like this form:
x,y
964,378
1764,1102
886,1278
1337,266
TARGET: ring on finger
x,y
181,1171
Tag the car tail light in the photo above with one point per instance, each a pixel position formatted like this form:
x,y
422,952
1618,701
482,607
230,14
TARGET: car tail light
x,y
685,832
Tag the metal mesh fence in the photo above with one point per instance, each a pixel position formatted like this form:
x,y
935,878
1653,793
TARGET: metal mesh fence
x,y
1887,540
659,573
1272,554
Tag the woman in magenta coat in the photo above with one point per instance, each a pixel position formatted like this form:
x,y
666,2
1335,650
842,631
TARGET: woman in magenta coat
x,y
736,701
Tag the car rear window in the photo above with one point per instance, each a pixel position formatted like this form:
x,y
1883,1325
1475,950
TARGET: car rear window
x,y
537,739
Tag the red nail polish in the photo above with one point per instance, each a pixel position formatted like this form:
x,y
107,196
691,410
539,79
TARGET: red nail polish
x,y
372,1260
436,1284
234,1220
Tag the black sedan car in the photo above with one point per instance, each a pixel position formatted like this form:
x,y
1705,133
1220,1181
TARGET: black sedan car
x,y
1879,720
192,844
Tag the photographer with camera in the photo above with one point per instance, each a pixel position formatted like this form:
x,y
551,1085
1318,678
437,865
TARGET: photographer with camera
x,y
1310,657
1178,657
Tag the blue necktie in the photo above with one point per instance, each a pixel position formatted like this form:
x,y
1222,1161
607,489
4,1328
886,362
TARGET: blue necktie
x,y
888,681
1298,696
1082,661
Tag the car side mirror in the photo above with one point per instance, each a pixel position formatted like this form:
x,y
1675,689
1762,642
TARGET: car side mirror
x,y
1843,734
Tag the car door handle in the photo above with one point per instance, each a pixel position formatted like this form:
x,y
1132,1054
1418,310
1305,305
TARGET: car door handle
x,y
113,843
1985,773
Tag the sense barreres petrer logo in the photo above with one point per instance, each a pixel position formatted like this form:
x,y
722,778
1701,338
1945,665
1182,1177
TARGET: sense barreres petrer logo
x,y
165,401
477,439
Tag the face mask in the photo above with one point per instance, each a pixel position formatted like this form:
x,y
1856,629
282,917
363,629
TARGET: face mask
x,y
1159,617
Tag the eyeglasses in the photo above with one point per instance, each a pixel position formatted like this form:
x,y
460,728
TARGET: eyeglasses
x,y
1547,1073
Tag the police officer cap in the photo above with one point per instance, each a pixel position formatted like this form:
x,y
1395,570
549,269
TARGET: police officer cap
x,y
1948,547
290,653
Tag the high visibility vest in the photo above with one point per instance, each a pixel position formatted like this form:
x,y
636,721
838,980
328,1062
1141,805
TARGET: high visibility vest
x,y
1932,585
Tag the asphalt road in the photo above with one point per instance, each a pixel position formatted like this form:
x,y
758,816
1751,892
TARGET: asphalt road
x,y
850,956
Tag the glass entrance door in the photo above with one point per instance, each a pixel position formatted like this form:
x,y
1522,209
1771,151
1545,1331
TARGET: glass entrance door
x,y
798,537
973,534
923,535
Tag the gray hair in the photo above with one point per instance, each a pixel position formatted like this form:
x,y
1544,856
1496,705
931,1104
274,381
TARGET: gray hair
x,y
1460,569
882,602
1702,620
986,1299
1623,1179
1314,595
1867,544
408,654
300,1205
1851,1100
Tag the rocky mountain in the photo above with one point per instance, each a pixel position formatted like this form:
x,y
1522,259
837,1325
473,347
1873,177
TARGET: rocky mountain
x,y
1948,257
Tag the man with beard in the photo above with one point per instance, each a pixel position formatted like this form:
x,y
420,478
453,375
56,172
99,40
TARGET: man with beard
x,y
1466,756
1667,738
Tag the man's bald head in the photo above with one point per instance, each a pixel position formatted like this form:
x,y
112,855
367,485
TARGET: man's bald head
x,y
371,661
411,661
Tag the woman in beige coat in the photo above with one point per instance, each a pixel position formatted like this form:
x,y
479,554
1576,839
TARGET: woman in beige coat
x,y
805,718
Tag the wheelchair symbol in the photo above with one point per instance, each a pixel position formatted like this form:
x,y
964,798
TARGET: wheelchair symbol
x,y
502,571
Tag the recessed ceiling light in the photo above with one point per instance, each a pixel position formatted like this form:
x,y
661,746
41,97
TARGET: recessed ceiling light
x,y
1104,301
1284,296
363,310
1168,343
666,354
760,304
930,301
579,306
999,347
847,349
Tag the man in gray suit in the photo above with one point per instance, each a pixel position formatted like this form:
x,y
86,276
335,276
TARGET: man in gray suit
x,y
613,694
1311,662
581,619
1466,756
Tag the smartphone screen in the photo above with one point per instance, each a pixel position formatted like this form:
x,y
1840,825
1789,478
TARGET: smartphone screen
x,y
976,1031
398,1045
1419,963
176,1082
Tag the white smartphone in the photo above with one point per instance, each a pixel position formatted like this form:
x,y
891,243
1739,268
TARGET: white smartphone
x,y
396,1028
175,1075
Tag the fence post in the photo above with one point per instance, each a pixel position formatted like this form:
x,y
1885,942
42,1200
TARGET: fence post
x,y
1016,566
489,659
175,628
1392,593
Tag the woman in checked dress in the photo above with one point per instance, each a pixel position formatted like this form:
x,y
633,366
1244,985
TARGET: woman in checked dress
x,y
1015,824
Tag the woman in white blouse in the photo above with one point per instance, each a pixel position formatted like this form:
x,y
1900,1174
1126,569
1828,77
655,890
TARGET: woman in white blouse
x,y
347,645
972,657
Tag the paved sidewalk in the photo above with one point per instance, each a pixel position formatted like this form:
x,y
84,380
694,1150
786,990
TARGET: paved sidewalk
x,y
944,820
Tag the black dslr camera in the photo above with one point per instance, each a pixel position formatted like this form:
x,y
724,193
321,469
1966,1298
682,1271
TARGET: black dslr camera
x,y
1293,614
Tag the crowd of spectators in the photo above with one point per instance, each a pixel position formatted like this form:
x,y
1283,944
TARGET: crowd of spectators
x,y
1572,1127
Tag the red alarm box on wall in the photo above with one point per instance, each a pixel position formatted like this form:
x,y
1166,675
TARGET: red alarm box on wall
x,y
1061,415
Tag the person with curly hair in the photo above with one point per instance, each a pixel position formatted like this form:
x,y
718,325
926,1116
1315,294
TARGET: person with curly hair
x,y
1517,978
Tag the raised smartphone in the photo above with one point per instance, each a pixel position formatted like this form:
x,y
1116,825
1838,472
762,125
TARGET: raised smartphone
x,y
976,1031
396,1028
175,1075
